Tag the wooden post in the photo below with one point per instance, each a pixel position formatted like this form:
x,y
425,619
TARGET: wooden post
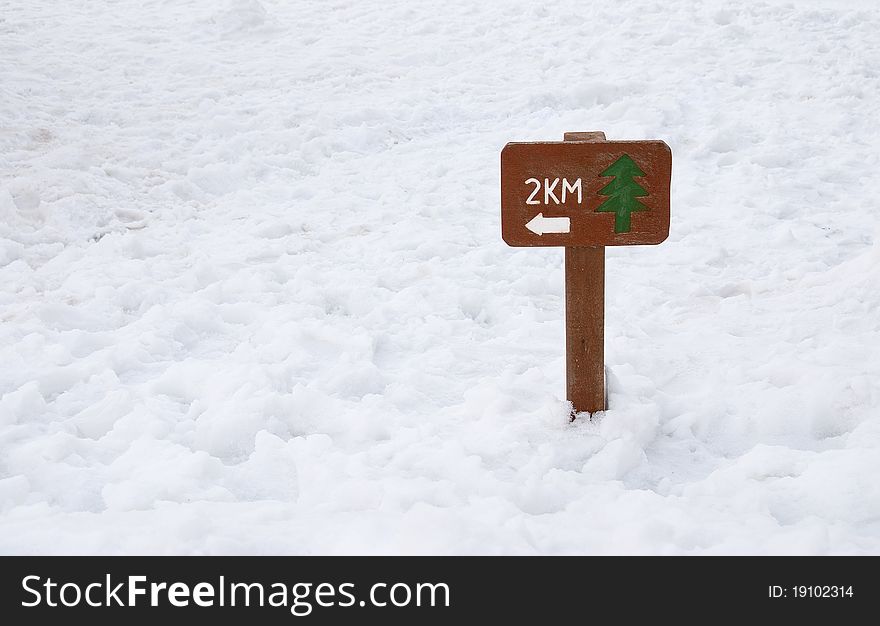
x,y
585,318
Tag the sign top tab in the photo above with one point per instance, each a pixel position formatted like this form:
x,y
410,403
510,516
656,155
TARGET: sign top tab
x,y
585,193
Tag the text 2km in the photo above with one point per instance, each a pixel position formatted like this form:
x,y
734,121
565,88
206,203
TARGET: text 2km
x,y
552,187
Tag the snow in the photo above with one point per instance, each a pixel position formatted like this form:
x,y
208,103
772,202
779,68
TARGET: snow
x,y
254,297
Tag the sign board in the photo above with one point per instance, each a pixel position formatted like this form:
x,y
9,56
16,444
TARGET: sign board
x,y
585,193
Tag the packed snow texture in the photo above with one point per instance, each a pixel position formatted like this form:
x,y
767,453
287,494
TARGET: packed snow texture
x,y
254,297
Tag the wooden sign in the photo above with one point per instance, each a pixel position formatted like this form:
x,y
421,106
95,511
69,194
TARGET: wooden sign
x,y
585,193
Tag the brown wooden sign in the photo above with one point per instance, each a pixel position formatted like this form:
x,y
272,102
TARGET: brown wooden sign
x,y
585,193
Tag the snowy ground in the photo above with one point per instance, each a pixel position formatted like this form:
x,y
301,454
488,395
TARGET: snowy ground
x,y
254,297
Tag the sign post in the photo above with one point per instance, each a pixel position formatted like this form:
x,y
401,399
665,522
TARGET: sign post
x,y
585,193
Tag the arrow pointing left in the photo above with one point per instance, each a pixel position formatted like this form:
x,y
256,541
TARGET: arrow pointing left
x,y
540,224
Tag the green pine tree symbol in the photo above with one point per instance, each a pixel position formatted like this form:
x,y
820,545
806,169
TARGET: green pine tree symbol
x,y
622,193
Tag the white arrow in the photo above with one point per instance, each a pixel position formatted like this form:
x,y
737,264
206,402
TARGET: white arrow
x,y
540,224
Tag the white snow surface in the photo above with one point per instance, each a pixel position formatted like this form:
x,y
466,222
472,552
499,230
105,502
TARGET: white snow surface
x,y
254,298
